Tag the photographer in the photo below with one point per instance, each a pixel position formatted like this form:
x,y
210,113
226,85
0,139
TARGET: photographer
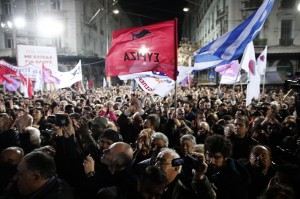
x,y
169,161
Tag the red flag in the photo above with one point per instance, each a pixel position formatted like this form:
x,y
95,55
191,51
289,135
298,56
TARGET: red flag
x,y
30,89
147,48
91,83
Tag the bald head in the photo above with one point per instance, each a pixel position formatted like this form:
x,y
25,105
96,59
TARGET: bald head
x,y
123,148
118,156
12,155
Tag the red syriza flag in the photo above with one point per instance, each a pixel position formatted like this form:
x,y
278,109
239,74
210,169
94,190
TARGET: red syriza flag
x,y
146,48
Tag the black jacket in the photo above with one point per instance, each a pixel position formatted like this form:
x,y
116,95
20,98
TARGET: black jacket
x,y
231,181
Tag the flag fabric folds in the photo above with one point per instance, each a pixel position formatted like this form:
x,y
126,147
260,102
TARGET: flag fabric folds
x,y
248,61
69,78
262,62
162,86
147,48
231,45
231,69
48,76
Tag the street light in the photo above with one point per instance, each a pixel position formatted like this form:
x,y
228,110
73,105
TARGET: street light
x,y
20,22
298,7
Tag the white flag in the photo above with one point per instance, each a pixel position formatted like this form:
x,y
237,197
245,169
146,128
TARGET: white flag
x,y
253,87
67,79
229,79
262,62
104,83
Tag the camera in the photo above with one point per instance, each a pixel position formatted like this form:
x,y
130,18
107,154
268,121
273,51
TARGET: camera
x,y
58,120
292,84
187,160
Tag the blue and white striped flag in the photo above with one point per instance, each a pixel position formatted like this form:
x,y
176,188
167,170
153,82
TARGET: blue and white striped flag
x,y
231,45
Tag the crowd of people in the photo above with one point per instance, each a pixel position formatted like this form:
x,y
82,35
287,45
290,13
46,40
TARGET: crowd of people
x,y
116,143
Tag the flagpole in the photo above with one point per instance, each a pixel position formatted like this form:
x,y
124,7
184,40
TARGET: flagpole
x,y
237,77
176,62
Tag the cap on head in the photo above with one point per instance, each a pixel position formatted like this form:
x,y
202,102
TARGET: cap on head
x,y
100,120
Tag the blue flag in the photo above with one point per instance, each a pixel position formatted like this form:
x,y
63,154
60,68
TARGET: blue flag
x,y
231,45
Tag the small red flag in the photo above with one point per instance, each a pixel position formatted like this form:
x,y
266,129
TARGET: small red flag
x,y
147,48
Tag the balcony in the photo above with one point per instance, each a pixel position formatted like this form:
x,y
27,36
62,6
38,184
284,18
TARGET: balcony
x,y
286,42
250,5
221,14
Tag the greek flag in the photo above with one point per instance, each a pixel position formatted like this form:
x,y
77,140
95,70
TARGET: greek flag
x,y
231,45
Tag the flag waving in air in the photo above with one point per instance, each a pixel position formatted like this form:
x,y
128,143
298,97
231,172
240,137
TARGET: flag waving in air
x,y
147,48
231,45
262,62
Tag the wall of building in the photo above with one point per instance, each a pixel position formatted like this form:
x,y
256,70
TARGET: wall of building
x,y
80,39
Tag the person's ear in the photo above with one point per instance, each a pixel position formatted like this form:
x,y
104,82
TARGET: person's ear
x,y
36,176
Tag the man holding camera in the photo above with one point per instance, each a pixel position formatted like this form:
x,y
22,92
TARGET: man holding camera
x,y
166,160
229,178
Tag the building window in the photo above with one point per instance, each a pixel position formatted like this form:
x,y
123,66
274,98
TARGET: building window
x,y
6,8
286,33
9,41
55,5
287,4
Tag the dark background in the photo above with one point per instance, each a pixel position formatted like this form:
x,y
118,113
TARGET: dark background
x,y
147,12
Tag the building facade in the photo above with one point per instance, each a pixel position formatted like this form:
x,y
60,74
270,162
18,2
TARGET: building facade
x,y
281,33
79,29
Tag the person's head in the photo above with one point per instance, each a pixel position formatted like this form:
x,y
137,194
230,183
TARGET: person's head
x,y
12,155
69,108
34,135
203,128
137,120
180,113
99,124
164,161
241,124
187,107
279,191
37,114
34,171
38,103
260,157
62,105
117,157
287,174
152,183
49,150
107,138
217,150
187,143
200,116
158,141
151,121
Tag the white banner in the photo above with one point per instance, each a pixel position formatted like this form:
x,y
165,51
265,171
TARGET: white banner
x,y
162,86
37,55
67,79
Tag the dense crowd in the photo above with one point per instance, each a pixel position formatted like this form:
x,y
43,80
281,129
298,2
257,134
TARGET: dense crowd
x,y
115,143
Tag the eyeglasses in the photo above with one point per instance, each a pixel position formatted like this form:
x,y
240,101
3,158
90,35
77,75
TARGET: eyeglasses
x,y
162,162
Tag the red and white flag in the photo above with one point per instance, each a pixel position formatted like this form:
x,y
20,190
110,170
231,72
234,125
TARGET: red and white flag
x,y
248,60
146,48
262,62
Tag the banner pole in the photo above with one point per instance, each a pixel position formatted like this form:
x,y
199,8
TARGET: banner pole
x,y
176,61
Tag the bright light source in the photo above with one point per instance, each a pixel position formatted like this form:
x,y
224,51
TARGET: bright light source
x,y
186,9
143,50
9,24
20,22
298,7
2,25
49,27
116,11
